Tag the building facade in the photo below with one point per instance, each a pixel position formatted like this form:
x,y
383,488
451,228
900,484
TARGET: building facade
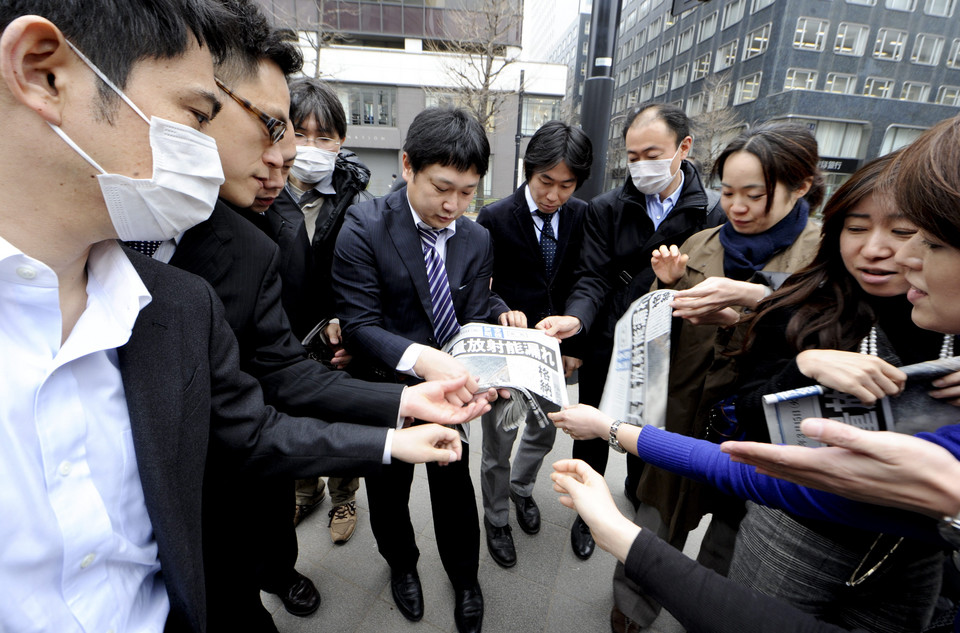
x,y
866,76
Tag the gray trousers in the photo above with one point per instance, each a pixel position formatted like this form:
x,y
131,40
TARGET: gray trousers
x,y
496,477
716,552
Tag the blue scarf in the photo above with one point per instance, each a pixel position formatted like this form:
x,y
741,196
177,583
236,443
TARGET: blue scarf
x,y
745,254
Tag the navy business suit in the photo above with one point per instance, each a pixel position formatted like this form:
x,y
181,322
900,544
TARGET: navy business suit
x,y
192,411
383,301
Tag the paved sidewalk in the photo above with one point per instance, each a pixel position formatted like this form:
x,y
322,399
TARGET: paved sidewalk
x,y
548,590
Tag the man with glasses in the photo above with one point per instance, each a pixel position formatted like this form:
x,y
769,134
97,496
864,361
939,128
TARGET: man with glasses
x,y
304,220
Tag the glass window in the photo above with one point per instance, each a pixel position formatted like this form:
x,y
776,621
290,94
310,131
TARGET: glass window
x,y
708,26
650,61
748,89
632,98
836,139
701,67
811,34
680,76
914,91
868,3
635,69
800,79
953,57
668,21
720,98
851,39
640,39
631,20
756,41
898,136
940,8
948,95
539,110
900,5
726,55
890,43
695,104
369,105
646,91
662,84
877,87
654,29
841,83
756,5
666,51
685,41
927,49
733,12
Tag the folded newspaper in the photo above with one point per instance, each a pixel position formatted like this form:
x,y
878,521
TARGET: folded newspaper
x,y
910,412
636,387
526,361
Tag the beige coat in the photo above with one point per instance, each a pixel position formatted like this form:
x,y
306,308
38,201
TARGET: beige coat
x,y
700,376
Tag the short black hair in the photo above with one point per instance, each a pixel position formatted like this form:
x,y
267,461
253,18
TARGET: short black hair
x,y
675,118
256,41
557,142
315,96
116,34
449,137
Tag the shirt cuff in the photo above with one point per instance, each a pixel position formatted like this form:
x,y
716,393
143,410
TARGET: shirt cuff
x,y
409,359
387,447
403,421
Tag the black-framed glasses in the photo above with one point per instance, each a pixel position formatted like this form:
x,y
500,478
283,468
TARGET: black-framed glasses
x,y
275,127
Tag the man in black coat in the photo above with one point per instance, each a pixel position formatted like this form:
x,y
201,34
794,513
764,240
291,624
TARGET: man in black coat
x,y
663,202
536,236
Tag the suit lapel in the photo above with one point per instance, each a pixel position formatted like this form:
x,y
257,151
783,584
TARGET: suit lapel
x,y
406,239
198,250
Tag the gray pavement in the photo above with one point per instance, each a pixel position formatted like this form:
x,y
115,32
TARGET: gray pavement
x,y
548,590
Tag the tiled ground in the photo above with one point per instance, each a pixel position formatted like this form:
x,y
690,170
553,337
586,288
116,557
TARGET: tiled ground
x,y
549,589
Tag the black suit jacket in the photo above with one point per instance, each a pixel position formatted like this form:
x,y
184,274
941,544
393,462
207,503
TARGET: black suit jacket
x,y
191,409
519,273
242,265
380,279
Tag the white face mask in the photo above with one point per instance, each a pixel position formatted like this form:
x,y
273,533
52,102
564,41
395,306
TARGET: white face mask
x,y
652,176
186,178
313,164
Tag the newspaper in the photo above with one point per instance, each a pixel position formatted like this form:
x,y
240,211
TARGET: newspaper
x,y
636,387
526,361
910,412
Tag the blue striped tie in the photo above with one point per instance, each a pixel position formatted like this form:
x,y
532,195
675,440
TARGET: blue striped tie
x,y
444,316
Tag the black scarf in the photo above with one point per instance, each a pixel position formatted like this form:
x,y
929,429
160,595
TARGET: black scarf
x,y
744,254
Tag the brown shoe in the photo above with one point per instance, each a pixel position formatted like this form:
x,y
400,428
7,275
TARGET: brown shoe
x,y
343,521
620,623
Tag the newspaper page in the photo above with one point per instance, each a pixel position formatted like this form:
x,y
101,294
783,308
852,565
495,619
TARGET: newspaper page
x,y
636,387
526,361
910,412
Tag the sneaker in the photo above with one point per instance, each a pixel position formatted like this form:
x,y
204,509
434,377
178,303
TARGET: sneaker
x,y
343,521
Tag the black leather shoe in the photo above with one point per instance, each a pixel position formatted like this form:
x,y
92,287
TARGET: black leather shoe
x,y
468,612
528,513
301,598
500,544
407,593
581,539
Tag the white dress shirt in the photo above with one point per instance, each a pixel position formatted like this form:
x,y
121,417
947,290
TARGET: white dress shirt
x,y
77,550
537,220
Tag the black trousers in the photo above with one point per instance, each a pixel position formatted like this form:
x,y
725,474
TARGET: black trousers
x,y
455,518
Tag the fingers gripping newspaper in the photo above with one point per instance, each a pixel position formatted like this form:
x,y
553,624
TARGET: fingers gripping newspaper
x,y
525,361
636,387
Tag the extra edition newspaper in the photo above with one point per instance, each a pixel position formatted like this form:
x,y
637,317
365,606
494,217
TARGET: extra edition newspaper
x,y
910,412
636,388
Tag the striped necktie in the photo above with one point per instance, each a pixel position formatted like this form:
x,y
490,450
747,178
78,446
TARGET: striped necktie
x,y
444,316
548,241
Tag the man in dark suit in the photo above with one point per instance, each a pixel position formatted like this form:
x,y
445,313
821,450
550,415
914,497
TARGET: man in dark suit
x,y
536,236
120,377
408,270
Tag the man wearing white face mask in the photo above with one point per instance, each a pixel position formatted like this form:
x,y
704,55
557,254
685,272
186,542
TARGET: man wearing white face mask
x,y
662,201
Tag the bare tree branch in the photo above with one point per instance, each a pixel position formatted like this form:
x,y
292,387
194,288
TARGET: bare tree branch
x,y
716,125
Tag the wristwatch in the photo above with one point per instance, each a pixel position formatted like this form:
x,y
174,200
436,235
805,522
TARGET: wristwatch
x,y
614,443
949,528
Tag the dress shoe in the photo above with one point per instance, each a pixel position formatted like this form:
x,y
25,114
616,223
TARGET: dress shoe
x,y
468,612
301,598
528,513
407,593
500,544
620,623
581,539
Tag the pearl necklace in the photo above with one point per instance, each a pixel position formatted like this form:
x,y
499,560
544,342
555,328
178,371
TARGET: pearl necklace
x,y
869,344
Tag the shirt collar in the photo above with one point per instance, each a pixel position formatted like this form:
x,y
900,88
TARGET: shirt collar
x,y
670,201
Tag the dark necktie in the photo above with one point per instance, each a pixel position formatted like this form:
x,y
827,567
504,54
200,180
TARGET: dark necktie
x,y
444,316
548,241
148,248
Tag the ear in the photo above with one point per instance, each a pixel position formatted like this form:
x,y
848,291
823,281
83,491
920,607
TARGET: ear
x,y
685,146
33,59
407,168
804,187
